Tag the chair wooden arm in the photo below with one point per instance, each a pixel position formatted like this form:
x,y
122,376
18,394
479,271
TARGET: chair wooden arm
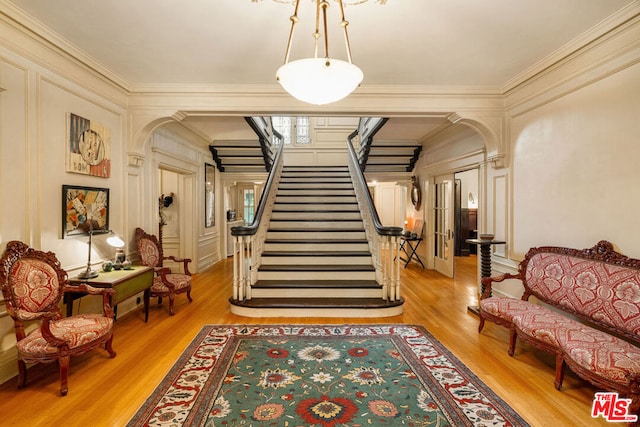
x,y
162,272
45,329
84,288
184,261
488,281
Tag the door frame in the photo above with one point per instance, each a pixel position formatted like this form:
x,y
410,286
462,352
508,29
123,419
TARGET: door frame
x,y
429,203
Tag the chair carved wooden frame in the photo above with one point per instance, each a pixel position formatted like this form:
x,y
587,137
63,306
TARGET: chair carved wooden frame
x,y
33,284
166,283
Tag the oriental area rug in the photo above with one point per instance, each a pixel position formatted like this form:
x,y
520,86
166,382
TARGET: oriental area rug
x,y
321,375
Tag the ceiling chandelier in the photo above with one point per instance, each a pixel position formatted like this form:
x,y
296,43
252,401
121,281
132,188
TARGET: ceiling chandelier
x,y
319,80
344,2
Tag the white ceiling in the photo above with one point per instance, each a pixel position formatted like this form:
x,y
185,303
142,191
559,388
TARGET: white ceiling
x,y
478,43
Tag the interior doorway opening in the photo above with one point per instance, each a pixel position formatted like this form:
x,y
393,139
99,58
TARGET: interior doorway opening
x,y
455,218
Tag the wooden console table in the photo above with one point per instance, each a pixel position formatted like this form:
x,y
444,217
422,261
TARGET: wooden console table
x,y
125,283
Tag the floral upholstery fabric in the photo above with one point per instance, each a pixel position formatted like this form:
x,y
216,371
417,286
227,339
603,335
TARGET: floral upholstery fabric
x,y
180,281
35,285
605,292
76,331
544,325
602,353
506,308
148,253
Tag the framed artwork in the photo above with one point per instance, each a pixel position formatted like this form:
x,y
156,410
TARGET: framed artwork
x,y
209,195
89,147
84,209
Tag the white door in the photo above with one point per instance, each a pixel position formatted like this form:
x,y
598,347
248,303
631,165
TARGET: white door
x,y
443,221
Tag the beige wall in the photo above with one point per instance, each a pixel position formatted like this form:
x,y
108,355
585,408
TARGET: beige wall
x,y
576,168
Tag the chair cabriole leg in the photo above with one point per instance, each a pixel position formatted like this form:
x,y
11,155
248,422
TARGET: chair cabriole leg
x,y
63,362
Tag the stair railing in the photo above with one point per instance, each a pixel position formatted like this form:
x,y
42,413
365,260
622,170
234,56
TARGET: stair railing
x,y
248,241
384,242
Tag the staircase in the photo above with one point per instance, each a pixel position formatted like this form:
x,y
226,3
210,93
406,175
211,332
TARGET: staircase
x,y
316,259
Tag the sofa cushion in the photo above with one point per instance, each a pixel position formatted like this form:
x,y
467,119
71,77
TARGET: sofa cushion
x,y
544,325
601,353
75,331
506,308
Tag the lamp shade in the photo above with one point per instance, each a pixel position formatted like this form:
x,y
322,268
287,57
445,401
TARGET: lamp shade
x,y
319,80
115,241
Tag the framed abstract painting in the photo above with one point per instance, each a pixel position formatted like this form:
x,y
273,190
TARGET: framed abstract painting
x,y
84,209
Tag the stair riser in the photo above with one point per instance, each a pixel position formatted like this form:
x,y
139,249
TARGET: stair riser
x,y
317,260
313,207
316,275
315,199
329,216
315,172
302,225
315,185
314,180
316,192
315,293
324,235
271,247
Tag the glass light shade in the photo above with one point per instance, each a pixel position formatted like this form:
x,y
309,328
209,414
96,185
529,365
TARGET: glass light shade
x,y
115,241
319,80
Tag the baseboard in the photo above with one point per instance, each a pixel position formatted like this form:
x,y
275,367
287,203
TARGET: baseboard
x,y
8,365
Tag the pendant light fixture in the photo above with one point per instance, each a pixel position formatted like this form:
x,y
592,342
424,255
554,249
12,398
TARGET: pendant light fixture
x,y
319,80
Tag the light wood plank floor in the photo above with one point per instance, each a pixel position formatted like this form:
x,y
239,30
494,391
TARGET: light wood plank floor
x,y
107,392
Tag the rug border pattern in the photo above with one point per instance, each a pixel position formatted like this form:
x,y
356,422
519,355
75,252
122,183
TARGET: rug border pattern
x,y
419,347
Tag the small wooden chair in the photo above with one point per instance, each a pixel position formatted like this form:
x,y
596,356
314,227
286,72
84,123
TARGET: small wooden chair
x,y
165,284
33,283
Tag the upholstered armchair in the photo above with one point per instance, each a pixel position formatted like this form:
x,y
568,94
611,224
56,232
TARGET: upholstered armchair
x,y
33,284
165,283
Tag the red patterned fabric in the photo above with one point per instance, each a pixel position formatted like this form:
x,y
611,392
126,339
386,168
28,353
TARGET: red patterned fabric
x,y
603,354
148,252
544,325
76,331
506,308
180,281
35,285
605,292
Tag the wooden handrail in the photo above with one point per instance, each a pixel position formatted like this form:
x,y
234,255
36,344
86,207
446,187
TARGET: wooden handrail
x,y
250,230
359,176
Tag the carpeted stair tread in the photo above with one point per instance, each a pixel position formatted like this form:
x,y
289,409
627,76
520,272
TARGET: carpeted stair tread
x,y
317,284
337,303
317,267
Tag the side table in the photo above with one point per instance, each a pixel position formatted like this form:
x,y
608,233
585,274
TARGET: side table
x,y
413,243
485,262
125,283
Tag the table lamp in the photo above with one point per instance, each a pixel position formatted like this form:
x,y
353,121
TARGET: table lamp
x,y
113,240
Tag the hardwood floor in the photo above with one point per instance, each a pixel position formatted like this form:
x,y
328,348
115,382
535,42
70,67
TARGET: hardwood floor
x,y
107,392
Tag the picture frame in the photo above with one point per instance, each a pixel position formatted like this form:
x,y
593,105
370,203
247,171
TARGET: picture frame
x,y
84,210
88,147
209,195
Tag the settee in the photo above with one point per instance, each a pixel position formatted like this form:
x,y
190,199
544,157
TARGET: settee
x,y
583,306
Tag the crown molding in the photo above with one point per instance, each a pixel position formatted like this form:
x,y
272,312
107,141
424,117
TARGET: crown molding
x,y
590,36
56,44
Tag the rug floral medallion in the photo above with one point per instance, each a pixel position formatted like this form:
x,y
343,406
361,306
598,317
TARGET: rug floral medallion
x,y
321,375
